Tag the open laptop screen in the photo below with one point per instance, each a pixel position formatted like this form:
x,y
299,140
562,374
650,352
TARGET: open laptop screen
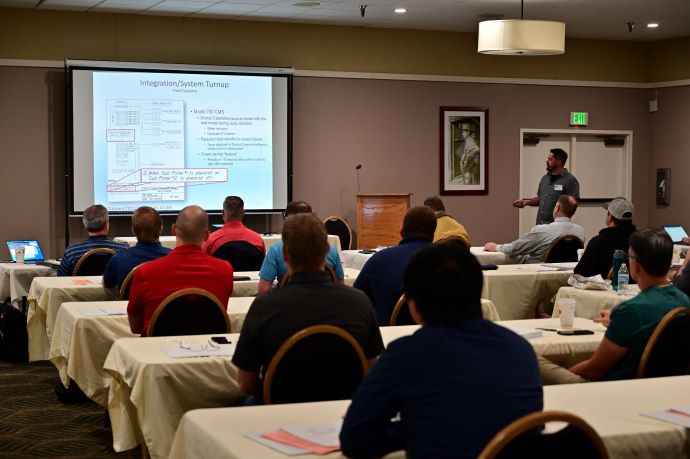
x,y
677,233
32,252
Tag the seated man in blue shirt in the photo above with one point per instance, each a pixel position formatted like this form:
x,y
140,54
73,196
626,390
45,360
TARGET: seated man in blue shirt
x,y
273,267
147,226
455,382
97,224
382,275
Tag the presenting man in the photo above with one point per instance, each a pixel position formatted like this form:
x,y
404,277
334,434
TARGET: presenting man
x,y
382,275
309,298
455,382
273,268
147,226
446,226
97,223
187,266
532,246
556,182
233,229
631,323
598,256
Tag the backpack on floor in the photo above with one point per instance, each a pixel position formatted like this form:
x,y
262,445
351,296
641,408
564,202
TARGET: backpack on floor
x,y
14,339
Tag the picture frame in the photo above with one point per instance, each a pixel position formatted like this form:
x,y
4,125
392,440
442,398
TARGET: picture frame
x,y
464,151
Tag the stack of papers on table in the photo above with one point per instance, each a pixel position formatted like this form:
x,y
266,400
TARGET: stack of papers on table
x,y
528,333
312,438
561,266
680,416
105,311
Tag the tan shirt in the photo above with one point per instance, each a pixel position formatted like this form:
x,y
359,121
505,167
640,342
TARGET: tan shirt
x,y
447,226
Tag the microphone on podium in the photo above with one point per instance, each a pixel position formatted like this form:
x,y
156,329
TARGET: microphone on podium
x,y
357,169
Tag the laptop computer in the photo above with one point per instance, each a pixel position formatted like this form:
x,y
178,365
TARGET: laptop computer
x,y
676,232
32,251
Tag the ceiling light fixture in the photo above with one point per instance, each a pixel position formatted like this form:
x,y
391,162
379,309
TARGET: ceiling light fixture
x,y
520,37
400,10
652,25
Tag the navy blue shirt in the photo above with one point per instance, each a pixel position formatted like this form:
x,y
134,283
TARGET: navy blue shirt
x,y
124,261
454,388
381,277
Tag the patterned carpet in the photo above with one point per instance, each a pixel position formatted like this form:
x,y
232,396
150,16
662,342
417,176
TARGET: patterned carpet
x,y
34,424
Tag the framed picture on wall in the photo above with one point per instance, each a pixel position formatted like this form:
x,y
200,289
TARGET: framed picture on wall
x,y
464,152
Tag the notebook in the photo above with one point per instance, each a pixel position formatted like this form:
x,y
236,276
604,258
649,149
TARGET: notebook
x,y
32,251
677,233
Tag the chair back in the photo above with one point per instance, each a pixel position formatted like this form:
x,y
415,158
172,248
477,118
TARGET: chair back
x,y
123,294
453,239
563,249
93,262
242,255
523,438
667,352
339,227
328,268
401,313
190,311
318,363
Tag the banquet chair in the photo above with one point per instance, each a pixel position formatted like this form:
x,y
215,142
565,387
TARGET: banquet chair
x,y
453,240
318,363
563,249
339,227
401,313
93,262
667,352
328,268
523,438
190,311
123,294
242,255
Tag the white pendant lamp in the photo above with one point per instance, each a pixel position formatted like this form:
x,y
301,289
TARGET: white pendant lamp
x,y
519,37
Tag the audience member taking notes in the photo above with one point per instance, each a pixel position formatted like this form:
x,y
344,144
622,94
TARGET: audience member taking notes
x,y
455,382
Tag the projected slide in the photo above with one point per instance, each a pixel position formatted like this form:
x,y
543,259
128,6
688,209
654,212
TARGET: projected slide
x,y
170,140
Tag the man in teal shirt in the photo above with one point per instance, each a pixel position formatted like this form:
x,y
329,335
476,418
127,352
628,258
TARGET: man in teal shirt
x,y
632,323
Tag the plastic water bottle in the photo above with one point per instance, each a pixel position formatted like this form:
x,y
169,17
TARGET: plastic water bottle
x,y
623,279
618,259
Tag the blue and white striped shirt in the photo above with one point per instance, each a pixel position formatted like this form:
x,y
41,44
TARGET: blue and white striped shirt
x,y
74,252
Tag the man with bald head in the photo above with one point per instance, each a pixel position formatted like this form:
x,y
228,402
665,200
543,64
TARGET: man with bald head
x,y
187,266
147,226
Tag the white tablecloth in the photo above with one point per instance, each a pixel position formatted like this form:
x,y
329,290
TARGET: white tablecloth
x,y
589,302
15,279
611,408
516,289
45,297
356,260
251,287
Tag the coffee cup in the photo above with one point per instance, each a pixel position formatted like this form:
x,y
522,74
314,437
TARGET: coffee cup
x,y
566,310
579,253
19,254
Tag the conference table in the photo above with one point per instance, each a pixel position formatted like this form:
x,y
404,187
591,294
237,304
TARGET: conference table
x,y
150,390
15,279
269,240
356,259
589,302
251,287
613,409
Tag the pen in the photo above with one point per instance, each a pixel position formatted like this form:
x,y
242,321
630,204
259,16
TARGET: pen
x,y
547,329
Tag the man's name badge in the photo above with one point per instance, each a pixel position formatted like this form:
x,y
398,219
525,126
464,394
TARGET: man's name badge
x,y
558,187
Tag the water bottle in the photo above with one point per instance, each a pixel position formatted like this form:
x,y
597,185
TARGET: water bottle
x,y
623,279
618,260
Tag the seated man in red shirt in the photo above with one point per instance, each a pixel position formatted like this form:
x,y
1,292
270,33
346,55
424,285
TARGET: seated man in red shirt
x,y
234,229
185,267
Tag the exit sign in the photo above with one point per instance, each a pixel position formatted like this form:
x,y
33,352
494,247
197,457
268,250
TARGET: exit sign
x,y
579,118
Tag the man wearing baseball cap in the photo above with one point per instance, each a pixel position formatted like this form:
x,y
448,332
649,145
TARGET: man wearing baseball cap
x,y
598,256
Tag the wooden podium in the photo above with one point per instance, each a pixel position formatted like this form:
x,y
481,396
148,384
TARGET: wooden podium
x,y
379,218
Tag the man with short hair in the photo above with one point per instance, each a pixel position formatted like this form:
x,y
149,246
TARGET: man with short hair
x,y
630,324
382,275
309,298
147,226
446,226
233,229
273,268
97,224
598,256
455,382
187,266
556,182
532,246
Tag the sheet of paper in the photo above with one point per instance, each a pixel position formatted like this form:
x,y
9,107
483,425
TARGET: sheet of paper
x,y
199,350
528,333
538,268
95,279
280,447
679,416
324,434
80,282
562,266
95,312
115,310
287,438
255,277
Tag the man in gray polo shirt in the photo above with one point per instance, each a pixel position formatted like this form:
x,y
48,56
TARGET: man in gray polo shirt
x,y
556,182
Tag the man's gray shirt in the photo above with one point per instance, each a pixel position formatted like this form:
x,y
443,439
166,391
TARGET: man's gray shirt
x,y
552,187
532,247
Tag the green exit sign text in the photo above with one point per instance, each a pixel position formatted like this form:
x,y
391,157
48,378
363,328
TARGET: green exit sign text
x,y
579,118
